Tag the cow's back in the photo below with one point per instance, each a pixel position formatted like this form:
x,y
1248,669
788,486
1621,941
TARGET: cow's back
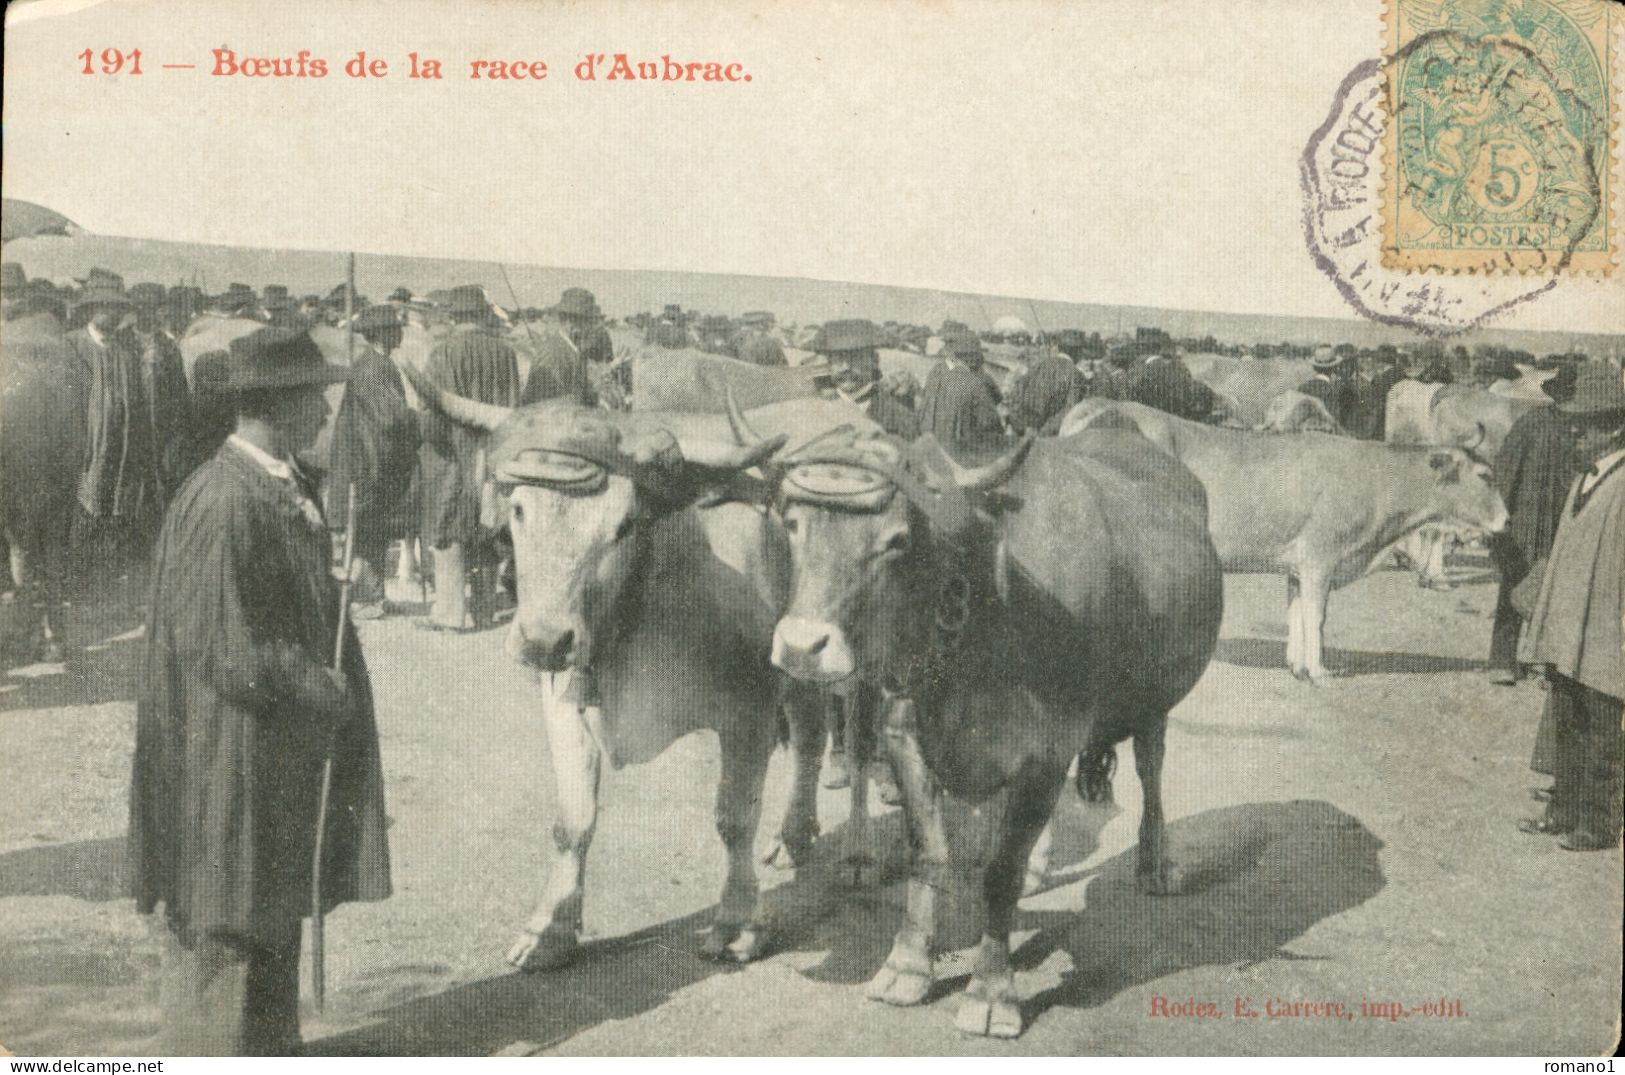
x,y
1113,578
42,433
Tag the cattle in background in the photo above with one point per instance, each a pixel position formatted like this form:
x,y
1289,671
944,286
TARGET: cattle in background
x,y
1451,415
1247,386
1007,645
650,577
1298,412
43,399
1320,510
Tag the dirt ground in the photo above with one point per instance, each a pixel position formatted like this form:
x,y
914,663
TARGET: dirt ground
x,y
1349,844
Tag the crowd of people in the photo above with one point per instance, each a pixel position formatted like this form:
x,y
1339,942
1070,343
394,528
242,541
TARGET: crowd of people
x,y
242,700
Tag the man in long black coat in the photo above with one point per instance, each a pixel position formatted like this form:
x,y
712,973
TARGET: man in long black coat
x,y
238,708
375,448
164,388
120,488
1533,471
474,363
960,404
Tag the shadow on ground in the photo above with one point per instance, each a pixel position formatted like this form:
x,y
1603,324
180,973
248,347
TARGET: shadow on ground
x,y
1256,877
1271,654
93,870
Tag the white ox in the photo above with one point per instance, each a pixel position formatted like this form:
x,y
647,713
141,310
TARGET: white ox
x,y
1247,386
1320,510
1457,415
650,577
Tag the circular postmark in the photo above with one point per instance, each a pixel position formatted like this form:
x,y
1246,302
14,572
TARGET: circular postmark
x,y
1341,173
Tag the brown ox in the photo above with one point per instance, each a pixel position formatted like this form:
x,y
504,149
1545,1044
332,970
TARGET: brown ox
x,y
1320,510
1007,645
650,578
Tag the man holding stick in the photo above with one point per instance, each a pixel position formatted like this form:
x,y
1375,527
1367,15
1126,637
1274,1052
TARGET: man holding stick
x,y
238,711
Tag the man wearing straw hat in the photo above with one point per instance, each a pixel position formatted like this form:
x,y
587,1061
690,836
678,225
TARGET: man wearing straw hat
x,y
238,710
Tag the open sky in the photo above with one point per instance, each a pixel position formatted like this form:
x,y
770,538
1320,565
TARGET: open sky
x,y
1119,151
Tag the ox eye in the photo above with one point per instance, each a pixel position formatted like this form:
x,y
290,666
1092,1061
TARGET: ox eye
x,y
792,524
896,543
625,527
518,512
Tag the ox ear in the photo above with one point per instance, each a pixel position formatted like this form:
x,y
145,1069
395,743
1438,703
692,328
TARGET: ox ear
x,y
1446,467
1471,440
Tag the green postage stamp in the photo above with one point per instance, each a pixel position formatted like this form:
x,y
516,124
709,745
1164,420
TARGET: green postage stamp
x,y
1501,140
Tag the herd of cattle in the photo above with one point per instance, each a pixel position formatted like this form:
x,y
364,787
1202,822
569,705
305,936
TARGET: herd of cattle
x,y
1006,619
760,545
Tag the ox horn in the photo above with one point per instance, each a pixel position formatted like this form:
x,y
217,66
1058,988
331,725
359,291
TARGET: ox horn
x,y
733,456
989,475
460,409
1471,442
742,430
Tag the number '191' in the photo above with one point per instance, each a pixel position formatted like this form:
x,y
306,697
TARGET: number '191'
x,y
112,61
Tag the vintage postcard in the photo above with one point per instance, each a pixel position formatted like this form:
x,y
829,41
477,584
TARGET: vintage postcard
x,y
811,528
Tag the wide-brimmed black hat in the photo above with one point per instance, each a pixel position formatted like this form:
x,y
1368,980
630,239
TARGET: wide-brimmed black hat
x,y
377,317
147,295
467,299
273,357
963,344
577,302
1597,390
275,297
854,334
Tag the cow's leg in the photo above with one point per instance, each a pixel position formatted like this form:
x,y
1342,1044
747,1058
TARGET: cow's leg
x,y
35,594
1316,592
906,977
861,868
1152,871
804,713
991,1006
736,933
1294,625
549,938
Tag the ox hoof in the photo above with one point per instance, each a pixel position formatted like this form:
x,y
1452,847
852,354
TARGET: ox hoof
x,y
788,854
731,944
544,951
860,871
1165,880
898,986
989,1011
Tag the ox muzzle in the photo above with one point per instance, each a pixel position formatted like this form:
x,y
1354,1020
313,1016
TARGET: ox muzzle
x,y
549,643
812,650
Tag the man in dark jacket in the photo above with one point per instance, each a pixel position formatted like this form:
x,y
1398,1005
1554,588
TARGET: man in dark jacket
x,y
1575,623
163,384
239,707
474,363
756,342
852,348
375,448
564,368
120,487
960,404
1374,424
1051,386
1533,472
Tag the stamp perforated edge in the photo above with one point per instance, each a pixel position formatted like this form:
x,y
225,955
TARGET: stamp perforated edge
x,y
1595,264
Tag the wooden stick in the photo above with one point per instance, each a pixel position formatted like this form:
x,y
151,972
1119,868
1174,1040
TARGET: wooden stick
x,y
318,931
